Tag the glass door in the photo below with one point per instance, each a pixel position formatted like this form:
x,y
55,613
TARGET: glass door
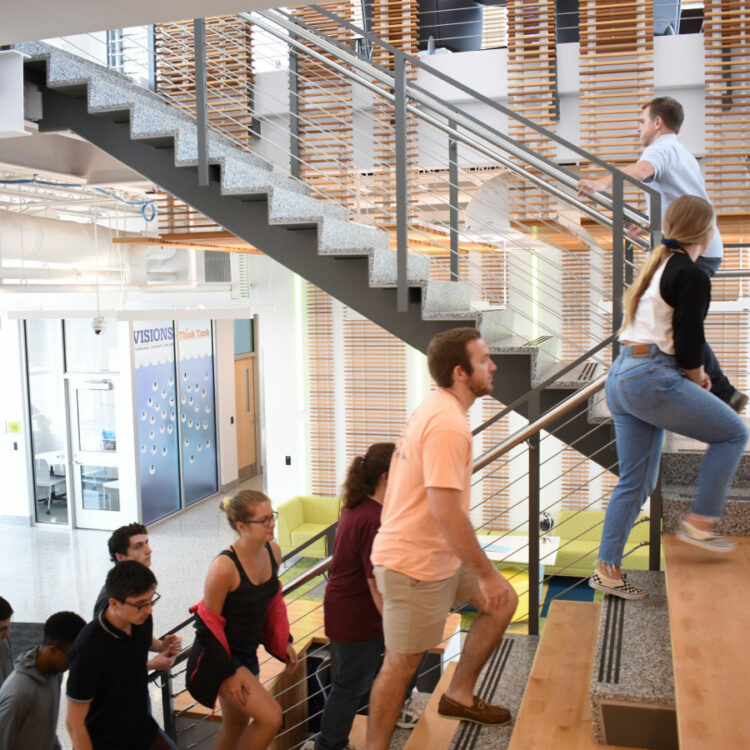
x,y
93,438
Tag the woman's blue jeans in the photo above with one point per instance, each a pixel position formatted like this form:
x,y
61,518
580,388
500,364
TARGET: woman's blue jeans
x,y
356,667
647,395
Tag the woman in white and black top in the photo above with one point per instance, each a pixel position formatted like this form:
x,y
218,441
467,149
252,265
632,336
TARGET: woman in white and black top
x,y
658,383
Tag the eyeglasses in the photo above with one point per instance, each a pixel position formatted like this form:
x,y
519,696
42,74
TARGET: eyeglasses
x,y
267,521
143,606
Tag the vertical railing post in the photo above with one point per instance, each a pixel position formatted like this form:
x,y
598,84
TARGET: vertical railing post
x,y
629,263
402,195
294,114
453,199
654,526
167,704
201,97
534,485
151,52
654,212
618,257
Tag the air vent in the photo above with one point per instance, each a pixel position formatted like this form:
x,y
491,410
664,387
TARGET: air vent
x,y
216,266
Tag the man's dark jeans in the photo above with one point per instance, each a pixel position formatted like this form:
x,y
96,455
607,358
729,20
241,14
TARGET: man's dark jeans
x,y
720,385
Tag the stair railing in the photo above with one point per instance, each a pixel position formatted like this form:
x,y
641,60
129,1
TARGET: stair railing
x,y
520,266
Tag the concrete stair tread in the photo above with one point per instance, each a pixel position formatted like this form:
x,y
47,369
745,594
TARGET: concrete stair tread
x,y
632,686
709,597
555,711
579,376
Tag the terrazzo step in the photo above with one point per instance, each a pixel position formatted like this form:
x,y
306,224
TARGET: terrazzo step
x,y
681,467
503,681
632,683
677,501
555,713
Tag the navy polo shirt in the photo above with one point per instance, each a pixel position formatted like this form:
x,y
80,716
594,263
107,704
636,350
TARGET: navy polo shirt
x,y
107,668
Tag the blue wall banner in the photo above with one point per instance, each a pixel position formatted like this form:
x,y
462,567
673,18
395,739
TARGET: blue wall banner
x,y
197,409
156,403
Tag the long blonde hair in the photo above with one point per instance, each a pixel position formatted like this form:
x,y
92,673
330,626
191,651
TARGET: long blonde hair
x,y
688,221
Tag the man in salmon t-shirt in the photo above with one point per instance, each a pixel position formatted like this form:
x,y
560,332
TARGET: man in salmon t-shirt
x,y
426,556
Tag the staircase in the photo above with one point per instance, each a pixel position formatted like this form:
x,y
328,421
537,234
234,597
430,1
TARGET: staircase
x,y
314,238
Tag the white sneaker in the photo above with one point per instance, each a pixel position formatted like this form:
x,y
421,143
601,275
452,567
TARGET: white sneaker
x,y
709,540
409,716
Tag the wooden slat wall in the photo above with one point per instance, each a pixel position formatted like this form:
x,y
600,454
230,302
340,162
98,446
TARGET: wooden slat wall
x,y
727,56
326,133
532,91
494,26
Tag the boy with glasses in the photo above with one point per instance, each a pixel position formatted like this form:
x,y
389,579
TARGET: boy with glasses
x,y
107,685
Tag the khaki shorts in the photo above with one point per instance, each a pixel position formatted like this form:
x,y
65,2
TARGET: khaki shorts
x,y
414,612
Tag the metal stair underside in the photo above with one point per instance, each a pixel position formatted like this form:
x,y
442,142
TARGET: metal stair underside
x,y
311,237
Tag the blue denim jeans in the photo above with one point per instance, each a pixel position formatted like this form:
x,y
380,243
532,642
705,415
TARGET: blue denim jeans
x,y
356,667
646,396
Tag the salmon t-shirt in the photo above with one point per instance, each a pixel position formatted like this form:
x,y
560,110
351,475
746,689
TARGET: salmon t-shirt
x,y
434,450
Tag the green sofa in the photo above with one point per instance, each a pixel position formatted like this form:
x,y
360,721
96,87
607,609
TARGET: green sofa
x,y
301,518
580,533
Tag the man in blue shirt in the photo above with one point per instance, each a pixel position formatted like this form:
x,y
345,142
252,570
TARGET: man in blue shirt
x,y
673,171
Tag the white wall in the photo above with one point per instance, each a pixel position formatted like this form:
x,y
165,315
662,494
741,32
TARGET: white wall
x,y
16,492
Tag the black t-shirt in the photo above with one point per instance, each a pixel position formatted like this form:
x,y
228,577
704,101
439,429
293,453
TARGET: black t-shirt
x,y
107,668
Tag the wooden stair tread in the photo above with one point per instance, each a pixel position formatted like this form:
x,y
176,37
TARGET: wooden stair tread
x,y
709,606
556,713
434,731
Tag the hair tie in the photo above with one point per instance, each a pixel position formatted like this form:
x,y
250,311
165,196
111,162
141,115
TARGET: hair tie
x,y
363,458
671,244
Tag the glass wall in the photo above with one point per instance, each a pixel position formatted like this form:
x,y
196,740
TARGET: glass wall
x,y
44,353
197,409
156,396
87,351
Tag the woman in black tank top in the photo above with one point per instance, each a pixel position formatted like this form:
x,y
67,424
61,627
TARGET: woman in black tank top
x,y
240,583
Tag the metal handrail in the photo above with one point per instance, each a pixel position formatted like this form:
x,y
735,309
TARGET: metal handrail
x,y
297,28
520,436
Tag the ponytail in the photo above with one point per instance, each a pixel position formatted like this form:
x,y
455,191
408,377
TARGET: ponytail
x,y
365,472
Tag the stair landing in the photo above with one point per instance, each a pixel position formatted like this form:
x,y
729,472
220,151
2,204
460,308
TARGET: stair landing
x,y
709,614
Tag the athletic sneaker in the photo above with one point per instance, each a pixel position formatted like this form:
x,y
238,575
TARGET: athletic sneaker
x,y
616,587
709,540
409,716
478,713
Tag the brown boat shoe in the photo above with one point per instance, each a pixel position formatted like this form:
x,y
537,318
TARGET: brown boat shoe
x,y
478,713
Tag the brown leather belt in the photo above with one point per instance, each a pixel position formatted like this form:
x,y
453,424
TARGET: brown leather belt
x,y
638,350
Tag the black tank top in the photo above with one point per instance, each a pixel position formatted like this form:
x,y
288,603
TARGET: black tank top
x,y
245,607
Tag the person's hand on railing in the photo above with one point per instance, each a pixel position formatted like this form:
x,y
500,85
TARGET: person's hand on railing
x,y
171,645
292,660
236,688
162,662
589,187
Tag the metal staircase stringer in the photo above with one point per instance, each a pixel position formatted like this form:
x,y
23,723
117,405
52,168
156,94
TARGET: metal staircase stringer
x,y
295,246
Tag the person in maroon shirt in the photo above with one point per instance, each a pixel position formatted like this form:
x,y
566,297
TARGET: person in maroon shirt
x,y
352,602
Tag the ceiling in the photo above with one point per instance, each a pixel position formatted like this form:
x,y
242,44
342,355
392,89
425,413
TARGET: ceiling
x,y
32,20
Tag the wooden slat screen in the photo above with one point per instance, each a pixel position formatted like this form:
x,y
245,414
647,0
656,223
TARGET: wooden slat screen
x,y
496,489
320,347
727,60
326,144
229,69
396,22
532,92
